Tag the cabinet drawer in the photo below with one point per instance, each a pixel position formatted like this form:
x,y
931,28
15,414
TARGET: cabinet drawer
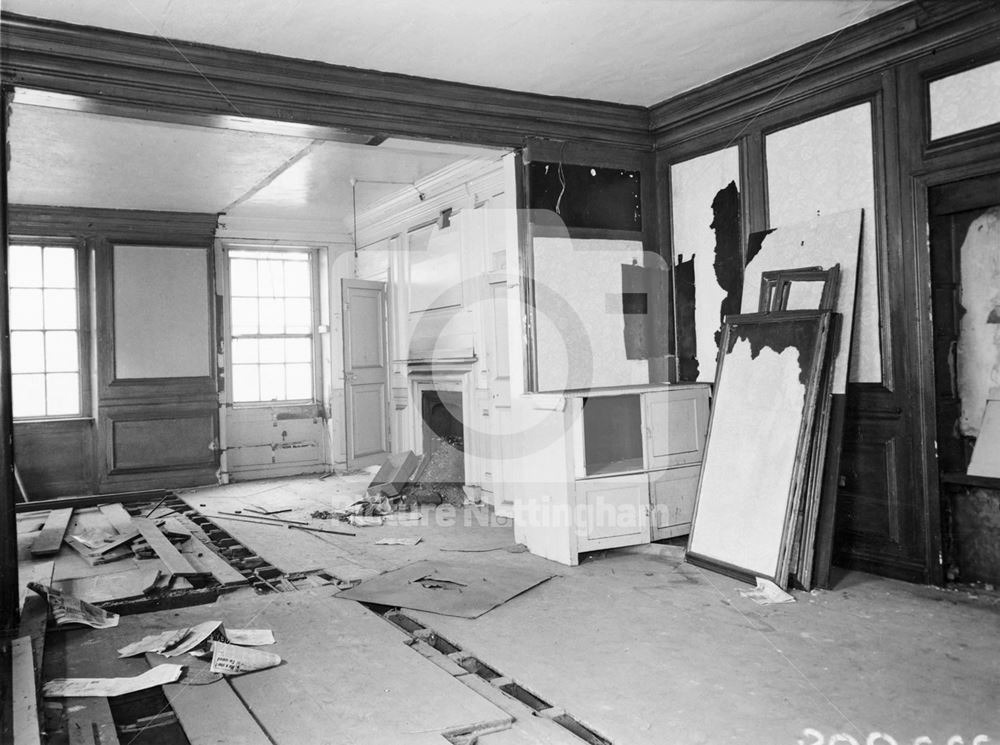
x,y
672,494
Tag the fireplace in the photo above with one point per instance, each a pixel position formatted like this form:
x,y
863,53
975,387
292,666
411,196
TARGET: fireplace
x,y
443,436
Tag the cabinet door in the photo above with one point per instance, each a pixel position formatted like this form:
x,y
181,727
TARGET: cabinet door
x,y
676,423
612,512
671,495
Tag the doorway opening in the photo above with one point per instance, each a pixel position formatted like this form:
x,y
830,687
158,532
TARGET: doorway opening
x,y
964,223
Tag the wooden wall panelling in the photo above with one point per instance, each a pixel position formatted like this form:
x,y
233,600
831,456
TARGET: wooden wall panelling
x,y
55,458
133,74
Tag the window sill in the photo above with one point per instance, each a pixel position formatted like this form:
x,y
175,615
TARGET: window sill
x,y
54,420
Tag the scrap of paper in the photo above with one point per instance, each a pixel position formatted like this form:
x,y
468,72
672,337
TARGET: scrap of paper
x,y
196,636
153,643
108,687
231,659
250,637
397,541
767,593
67,609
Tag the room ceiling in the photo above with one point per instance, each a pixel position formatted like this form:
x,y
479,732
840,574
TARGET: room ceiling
x,y
75,159
627,51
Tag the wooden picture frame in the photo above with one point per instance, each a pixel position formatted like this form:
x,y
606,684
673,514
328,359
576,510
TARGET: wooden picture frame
x,y
755,467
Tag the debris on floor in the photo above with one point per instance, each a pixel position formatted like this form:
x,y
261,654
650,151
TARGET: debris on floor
x,y
448,589
109,687
66,609
175,642
767,593
231,659
397,541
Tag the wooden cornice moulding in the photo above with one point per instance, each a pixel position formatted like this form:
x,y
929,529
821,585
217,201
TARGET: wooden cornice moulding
x,y
891,38
120,226
144,72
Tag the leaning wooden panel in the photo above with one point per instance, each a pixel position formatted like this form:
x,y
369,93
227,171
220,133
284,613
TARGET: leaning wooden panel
x,y
755,459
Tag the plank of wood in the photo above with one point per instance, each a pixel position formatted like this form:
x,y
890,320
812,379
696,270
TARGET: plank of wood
x,y
25,714
51,537
33,623
118,517
89,721
212,714
202,557
170,556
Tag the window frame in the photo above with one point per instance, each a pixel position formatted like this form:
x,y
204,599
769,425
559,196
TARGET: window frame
x,y
84,320
313,261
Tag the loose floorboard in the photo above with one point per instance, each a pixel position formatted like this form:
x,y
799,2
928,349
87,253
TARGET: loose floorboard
x,y
51,537
89,721
25,704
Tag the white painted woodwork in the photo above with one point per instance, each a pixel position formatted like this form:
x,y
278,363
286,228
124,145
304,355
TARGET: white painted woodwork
x,y
366,379
560,511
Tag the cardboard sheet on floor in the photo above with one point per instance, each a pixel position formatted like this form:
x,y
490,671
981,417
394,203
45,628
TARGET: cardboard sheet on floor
x,y
451,589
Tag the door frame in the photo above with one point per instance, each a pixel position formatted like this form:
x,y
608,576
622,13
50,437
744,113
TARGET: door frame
x,y
345,283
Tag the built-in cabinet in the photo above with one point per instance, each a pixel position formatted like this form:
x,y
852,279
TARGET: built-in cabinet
x,y
629,474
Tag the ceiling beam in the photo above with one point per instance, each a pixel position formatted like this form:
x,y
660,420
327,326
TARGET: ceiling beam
x,y
127,110
169,79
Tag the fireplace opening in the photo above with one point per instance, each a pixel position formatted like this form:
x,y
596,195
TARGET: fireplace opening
x,y
443,436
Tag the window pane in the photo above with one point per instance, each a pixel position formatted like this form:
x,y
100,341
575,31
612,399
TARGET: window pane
x,y
24,266
965,101
298,316
271,280
244,350
244,316
298,350
272,350
297,279
60,309
26,309
60,267
272,382
61,352
272,316
245,383
27,351
243,277
63,394
299,381
28,392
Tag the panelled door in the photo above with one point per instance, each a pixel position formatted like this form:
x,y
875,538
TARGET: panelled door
x,y
366,372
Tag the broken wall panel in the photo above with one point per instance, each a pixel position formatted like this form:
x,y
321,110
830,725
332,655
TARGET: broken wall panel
x,y
825,242
978,362
578,314
820,167
585,196
706,238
